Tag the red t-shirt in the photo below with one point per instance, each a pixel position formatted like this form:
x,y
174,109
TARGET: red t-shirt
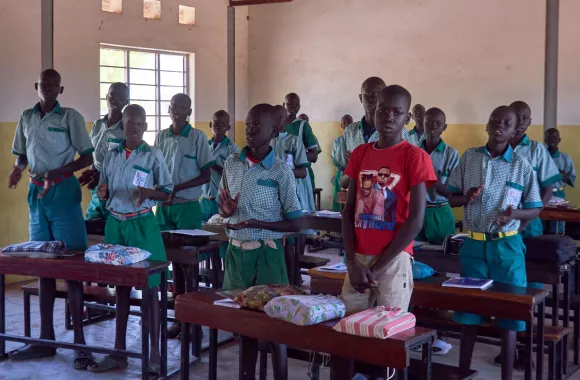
x,y
384,178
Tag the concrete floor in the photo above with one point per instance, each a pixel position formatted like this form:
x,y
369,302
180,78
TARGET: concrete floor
x,y
60,367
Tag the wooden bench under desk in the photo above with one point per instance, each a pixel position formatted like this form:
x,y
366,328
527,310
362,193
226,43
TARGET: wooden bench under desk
x,y
199,308
74,268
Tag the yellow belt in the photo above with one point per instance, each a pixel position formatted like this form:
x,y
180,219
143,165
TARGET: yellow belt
x,y
480,236
436,205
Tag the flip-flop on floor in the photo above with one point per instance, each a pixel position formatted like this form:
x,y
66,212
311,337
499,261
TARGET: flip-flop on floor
x,y
107,363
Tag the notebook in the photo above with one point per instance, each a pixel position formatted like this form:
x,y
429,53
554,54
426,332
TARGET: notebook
x,y
468,283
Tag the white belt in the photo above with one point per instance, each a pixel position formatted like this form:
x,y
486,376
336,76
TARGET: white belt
x,y
253,245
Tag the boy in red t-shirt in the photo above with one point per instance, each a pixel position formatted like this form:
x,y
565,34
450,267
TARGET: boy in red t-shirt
x,y
379,247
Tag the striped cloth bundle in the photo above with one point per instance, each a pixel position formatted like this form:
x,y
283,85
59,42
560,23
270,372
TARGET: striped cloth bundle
x,y
379,322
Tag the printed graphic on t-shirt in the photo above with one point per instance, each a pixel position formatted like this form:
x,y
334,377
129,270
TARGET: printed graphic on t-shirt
x,y
376,206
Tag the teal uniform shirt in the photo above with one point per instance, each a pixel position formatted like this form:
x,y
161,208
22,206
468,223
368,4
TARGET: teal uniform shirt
x,y
104,138
267,193
547,174
439,221
508,180
290,149
303,130
353,136
414,137
221,152
49,143
565,165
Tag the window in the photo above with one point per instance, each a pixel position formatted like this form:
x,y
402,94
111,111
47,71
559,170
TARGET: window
x,y
153,78
112,6
186,15
152,9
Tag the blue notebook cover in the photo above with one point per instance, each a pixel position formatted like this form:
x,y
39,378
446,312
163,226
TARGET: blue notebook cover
x,y
468,283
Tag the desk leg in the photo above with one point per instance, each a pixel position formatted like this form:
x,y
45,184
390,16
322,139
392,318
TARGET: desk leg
x,y
185,337
566,308
540,342
279,360
341,368
402,374
555,306
146,320
213,351
163,323
192,285
248,358
427,350
529,346
216,267
2,316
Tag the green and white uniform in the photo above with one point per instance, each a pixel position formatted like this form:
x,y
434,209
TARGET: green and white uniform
x,y
565,165
414,137
337,188
303,130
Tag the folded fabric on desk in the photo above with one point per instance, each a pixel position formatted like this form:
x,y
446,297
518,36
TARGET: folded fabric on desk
x,y
305,310
379,322
37,249
257,297
115,254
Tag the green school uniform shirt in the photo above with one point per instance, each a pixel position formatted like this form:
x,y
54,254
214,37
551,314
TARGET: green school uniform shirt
x,y
414,137
507,180
564,164
267,192
538,156
444,159
220,152
186,155
289,146
145,167
308,139
51,142
104,139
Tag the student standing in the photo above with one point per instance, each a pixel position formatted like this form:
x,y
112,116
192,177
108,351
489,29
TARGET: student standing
x,y
344,122
221,147
566,167
189,159
258,195
134,178
439,221
417,134
47,139
379,251
301,128
106,134
498,189
547,173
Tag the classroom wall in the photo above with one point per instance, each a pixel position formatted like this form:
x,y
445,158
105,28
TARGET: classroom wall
x,y
80,26
464,56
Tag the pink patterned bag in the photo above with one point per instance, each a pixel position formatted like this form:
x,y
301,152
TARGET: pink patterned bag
x,y
379,322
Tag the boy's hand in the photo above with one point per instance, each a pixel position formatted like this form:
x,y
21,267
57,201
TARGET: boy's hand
x,y
103,192
170,200
250,223
505,217
226,204
47,185
87,177
360,277
144,194
473,193
14,177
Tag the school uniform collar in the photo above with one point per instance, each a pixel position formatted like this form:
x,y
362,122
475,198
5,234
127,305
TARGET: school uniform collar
x,y
143,147
114,126
556,154
267,162
57,108
525,141
224,142
184,132
362,124
507,156
439,148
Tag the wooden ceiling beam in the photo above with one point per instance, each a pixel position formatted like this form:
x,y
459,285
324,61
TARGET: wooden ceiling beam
x,y
237,3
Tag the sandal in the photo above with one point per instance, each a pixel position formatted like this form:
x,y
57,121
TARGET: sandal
x,y
174,331
32,351
82,359
107,363
154,371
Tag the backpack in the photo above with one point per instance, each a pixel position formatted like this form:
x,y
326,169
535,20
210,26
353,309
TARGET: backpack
x,y
550,249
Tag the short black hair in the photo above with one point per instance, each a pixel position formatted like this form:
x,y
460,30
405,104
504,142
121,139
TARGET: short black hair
x,y
292,95
49,73
518,104
134,109
436,111
372,81
184,96
396,90
268,111
552,130
221,113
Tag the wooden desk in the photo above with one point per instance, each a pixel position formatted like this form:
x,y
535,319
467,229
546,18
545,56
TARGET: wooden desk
x,y
563,214
198,308
322,223
500,300
76,269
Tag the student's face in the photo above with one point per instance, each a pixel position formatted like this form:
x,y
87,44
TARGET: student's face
x,y
49,88
346,121
434,125
383,176
552,139
501,126
419,115
220,125
179,109
292,104
391,115
117,99
369,97
523,121
260,129
134,126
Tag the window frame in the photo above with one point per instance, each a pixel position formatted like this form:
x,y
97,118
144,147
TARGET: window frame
x,y
159,113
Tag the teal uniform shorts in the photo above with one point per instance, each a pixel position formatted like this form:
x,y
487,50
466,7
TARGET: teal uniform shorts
x,y
59,215
97,208
209,208
439,223
502,260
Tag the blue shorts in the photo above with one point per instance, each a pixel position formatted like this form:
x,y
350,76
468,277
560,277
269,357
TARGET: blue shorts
x,y
58,216
97,208
502,260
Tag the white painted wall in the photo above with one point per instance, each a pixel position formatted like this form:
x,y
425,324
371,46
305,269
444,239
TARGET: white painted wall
x,y
465,56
